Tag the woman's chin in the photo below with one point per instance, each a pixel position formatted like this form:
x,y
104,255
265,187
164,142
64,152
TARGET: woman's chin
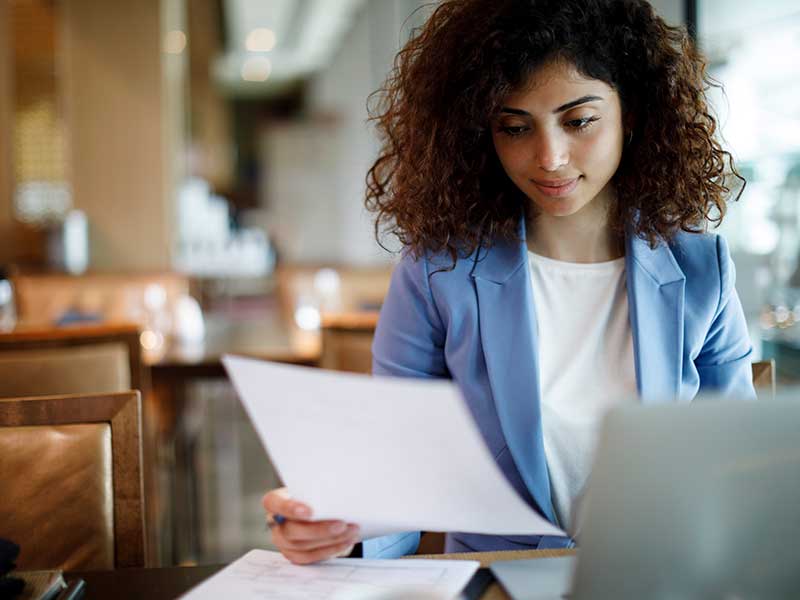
x,y
562,207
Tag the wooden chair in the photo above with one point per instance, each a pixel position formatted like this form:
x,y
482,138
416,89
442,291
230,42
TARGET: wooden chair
x,y
86,359
764,378
72,480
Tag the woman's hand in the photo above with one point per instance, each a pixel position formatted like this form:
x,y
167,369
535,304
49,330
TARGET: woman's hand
x,y
302,540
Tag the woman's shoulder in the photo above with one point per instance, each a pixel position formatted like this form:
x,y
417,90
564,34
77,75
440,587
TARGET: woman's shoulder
x,y
436,266
431,280
705,261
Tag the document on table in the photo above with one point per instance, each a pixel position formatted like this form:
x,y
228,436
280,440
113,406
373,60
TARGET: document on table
x,y
390,454
263,574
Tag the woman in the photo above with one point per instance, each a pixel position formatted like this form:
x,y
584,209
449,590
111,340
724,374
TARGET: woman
x,y
550,168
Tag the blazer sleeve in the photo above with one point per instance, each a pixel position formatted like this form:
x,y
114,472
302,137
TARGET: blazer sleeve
x,y
409,339
409,342
724,363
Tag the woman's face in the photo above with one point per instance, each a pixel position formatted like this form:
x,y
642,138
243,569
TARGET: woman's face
x,y
560,139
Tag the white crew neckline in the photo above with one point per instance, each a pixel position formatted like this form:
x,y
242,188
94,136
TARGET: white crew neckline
x,y
607,265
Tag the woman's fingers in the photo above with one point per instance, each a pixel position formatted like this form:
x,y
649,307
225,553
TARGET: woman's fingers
x,y
278,502
298,531
304,558
307,543
303,541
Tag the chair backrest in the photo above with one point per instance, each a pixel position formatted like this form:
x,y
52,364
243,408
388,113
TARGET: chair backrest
x,y
347,341
71,475
85,369
764,379
61,360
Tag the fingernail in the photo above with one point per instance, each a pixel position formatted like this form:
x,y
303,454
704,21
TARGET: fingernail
x,y
352,528
338,528
301,511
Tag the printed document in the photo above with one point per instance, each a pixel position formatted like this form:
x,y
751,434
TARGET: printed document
x,y
268,575
389,454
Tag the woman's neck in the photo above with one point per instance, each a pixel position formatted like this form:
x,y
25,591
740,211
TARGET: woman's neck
x,y
584,237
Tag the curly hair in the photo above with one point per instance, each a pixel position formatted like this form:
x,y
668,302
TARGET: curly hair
x,y
437,184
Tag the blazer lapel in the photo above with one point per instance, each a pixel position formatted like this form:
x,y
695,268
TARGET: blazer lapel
x,y
508,338
655,286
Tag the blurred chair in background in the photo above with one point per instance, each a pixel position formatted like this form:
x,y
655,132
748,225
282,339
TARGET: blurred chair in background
x,y
72,481
764,379
48,299
347,341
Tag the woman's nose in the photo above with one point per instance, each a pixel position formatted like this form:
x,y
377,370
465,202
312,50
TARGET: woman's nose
x,y
552,152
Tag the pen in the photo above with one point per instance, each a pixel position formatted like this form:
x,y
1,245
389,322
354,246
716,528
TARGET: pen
x,y
273,520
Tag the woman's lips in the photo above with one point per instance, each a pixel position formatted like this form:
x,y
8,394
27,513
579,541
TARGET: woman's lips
x,y
556,187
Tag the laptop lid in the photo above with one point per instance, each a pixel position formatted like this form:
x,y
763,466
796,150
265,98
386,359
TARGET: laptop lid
x,y
694,500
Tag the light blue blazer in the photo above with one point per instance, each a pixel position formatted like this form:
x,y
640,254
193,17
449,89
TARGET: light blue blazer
x,y
476,325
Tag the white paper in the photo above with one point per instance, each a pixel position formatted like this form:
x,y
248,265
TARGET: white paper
x,y
390,454
268,575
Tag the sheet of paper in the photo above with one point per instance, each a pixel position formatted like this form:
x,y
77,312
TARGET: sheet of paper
x,y
268,575
391,454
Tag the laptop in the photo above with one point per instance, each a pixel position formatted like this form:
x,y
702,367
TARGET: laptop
x,y
686,500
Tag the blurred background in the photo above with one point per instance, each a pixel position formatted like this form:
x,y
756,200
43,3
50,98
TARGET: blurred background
x,y
196,168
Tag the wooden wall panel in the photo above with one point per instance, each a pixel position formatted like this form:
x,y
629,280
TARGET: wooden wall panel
x,y
6,132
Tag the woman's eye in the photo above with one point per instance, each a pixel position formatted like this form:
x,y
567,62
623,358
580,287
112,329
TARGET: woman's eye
x,y
581,123
513,131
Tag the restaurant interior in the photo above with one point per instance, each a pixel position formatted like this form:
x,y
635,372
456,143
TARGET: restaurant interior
x,y
184,179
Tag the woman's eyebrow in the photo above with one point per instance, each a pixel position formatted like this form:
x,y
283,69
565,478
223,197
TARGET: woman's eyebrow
x,y
574,103
560,109
515,111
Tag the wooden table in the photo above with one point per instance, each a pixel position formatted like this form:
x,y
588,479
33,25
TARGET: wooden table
x,y
265,336
262,334
168,583
495,590
164,583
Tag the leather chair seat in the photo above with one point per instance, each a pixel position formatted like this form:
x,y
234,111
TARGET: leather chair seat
x,y
57,495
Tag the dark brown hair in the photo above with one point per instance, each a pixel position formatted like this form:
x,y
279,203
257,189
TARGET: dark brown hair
x,y
437,184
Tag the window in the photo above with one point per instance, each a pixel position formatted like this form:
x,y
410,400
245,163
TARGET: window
x,y
753,51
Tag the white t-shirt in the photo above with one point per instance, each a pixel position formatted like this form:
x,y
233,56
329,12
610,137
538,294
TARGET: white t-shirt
x,y
585,366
